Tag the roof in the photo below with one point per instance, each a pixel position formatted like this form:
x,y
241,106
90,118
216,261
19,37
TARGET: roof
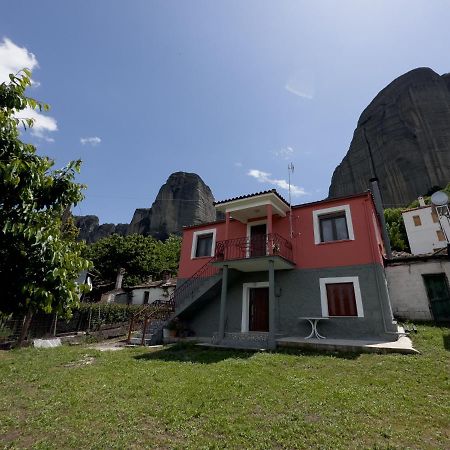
x,y
242,197
405,258
154,284
415,209
327,200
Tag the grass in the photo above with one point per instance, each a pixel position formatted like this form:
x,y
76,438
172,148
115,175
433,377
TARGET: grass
x,y
186,397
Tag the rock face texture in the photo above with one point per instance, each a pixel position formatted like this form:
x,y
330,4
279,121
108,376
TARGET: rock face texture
x,y
183,200
92,231
403,138
140,223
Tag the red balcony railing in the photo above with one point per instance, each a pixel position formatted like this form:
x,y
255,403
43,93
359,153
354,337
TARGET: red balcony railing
x,y
245,247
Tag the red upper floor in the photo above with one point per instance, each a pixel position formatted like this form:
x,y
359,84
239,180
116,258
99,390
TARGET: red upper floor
x,y
329,233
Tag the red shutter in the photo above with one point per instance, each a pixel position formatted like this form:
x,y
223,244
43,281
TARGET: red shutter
x,y
341,299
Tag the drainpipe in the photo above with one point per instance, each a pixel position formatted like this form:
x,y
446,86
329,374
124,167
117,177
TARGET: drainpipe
x,y
374,187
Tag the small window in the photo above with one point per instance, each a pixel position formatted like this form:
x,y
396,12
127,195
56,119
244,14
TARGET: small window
x,y
146,297
417,221
440,235
333,227
434,216
341,299
204,245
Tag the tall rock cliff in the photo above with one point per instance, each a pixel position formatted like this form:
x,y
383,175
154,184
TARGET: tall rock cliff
x,y
403,138
183,200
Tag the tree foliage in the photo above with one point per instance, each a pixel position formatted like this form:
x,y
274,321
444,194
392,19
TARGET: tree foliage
x,y
140,256
39,262
396,229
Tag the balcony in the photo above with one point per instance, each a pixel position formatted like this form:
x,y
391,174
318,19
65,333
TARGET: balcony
x,y
252,254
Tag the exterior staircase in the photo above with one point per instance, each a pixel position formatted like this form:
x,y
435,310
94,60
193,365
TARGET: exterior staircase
x,y
147,324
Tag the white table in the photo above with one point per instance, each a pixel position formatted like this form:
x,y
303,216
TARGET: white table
x,y
313,321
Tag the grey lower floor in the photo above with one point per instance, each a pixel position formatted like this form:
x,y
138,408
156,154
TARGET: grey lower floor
x,y
296,295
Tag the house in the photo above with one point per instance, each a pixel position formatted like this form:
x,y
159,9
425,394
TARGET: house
x,y
426,231
142,294
267,272
418,286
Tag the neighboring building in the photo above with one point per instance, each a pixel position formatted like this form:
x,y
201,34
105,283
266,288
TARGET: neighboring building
x,y
426,232
418,286
245,279
142,294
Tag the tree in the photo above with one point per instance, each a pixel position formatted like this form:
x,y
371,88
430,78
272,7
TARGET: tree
x,y
396,229
39,263
140,256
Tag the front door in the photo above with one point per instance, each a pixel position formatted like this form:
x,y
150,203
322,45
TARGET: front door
x,y
439,296
259,309
258,240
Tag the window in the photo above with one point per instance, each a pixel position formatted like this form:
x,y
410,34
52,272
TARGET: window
x,y
333,227
333,224
417,221
341,297
440,235
203,243
434,216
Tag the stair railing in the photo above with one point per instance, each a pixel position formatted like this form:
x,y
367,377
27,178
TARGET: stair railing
x,y
189,287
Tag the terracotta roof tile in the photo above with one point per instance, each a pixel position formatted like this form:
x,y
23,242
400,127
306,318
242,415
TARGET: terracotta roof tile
x,y
242,197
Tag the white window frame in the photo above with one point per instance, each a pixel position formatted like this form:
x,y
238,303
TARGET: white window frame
x,y
246,302
335,209
324,298
195,239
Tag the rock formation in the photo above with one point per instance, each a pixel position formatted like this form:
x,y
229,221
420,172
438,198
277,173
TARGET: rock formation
x,y
92,231
403,138
183,200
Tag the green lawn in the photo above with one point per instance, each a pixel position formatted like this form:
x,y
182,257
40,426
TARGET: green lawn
x,y
185,397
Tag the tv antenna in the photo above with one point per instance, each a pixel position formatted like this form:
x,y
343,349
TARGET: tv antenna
x,y
440,201
290,170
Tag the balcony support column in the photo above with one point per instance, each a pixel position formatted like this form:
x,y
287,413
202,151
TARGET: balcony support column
x,y
272,306
223,303
269,214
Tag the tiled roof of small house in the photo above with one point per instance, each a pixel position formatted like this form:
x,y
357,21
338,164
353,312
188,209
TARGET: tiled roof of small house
x,y
242,197
399,257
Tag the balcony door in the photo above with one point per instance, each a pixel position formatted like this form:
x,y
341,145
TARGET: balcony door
x,y
258,244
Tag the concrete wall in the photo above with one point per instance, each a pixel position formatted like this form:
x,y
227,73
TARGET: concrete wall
x,y
407,289
299,296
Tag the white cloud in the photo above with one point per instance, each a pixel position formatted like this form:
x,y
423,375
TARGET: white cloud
x,y
301,83
285,153
93,140
14,58
238,164
264,177
42,124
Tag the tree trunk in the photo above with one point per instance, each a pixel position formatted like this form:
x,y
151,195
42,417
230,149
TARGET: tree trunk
x,y
25,327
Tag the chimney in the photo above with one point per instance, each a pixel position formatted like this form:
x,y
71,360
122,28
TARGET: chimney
x,y
421,201
379,207
119,278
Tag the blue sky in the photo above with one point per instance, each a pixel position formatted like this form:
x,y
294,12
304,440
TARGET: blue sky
x,y
231,90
